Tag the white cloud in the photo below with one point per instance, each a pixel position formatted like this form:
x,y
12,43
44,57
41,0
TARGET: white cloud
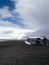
x,y
17,33
5,13
35,13
8,23
9,30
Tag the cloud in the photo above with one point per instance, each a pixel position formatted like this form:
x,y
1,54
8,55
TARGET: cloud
x,y
5,12
35,13
9,16
8,23
13,32
9,30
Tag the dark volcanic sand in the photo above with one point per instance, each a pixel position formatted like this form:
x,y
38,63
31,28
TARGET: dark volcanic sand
x,y
21,54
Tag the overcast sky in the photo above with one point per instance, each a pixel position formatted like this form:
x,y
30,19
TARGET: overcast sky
x,y
24,14
35,13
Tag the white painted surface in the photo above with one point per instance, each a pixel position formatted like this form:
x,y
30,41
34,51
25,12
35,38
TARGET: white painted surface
x,y
27,42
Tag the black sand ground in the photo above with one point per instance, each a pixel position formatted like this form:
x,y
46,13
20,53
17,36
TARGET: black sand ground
x,y
20,54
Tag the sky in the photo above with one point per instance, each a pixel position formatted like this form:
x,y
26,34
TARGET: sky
x,y
24,14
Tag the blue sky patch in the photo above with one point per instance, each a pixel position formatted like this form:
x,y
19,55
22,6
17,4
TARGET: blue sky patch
x,y
8,3
16,18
